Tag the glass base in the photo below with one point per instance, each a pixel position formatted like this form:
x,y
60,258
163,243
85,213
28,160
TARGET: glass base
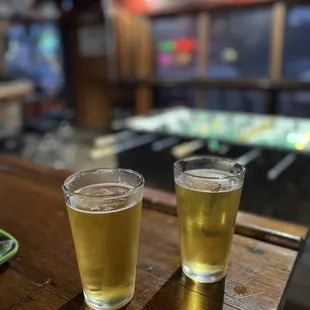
x,y
203,278
98,305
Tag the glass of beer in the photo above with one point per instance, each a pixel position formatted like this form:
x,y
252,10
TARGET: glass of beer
x,y
104,208
208,191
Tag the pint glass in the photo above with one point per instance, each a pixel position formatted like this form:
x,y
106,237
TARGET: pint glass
x,y
208,192
104,208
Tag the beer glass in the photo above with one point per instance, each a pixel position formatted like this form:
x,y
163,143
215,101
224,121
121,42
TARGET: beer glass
x,y
104,208
208,191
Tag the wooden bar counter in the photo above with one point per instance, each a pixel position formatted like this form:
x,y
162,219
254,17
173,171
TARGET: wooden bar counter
x,y
44,274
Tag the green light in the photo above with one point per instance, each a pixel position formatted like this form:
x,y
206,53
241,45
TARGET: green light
x,y
213,145
166,46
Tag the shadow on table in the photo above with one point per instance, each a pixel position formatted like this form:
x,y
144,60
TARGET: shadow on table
x,y
182,293
178,293
3,268
77,303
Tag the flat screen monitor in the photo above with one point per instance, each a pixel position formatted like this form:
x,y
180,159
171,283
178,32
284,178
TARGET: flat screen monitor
x,y
175,46
35,52
17,55
239,44
296,60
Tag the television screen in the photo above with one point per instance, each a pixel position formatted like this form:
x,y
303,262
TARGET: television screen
x,y
239,48
175,46
239,45
35,52
175,49
296,60
17,55
296,63
46,57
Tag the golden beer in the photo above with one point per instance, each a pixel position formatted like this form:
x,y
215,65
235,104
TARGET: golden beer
x,y
208,202
105,223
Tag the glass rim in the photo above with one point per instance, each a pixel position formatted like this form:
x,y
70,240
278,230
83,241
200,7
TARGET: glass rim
x,y
243,169
128,193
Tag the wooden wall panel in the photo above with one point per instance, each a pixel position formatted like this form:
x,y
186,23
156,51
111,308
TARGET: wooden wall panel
x,y
134,49
204,24
144,56
123,22
277,39
134,53
92,101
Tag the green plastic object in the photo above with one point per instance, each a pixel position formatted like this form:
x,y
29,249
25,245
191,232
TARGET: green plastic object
x,y
8,246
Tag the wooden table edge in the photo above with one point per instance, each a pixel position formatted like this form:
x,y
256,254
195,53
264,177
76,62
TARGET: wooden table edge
x,y
273,231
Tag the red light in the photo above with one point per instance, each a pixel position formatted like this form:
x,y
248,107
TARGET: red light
x,y
185,45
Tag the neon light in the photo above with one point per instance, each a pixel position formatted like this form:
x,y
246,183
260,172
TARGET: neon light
x,y
164,59
166,46
185,45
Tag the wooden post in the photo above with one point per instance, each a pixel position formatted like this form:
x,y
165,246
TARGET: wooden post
x,y
92,100
203,45
277,39
276,52
144,96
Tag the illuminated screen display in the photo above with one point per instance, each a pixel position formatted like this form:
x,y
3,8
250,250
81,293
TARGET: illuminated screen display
x,y
297,44
35,52
17,54
296,60
175,49
175,46
47,65
239,46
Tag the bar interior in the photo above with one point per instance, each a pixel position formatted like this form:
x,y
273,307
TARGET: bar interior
x,y
140,84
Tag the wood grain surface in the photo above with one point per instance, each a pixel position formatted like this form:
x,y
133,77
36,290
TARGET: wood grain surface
x,y
273,231
263,84
44,275
15,89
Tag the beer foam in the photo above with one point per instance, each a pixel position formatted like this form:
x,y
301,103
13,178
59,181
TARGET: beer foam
x,y
209,180
104,198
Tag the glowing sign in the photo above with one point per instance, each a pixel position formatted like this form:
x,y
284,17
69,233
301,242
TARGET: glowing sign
x,y
181,45
185,45
166,46
164,59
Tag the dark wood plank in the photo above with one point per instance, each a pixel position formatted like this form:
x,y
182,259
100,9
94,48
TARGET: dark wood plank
x,y
13,286
277,39
46,255
258,270
174,296
41,298
29,169
15,90
202,62
44,274
203,43
274,231
259,266
263,84
247,224
35,214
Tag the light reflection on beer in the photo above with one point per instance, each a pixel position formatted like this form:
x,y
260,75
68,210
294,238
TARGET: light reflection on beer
x,y
197,296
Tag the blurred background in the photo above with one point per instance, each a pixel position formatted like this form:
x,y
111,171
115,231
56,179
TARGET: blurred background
x,y
140,83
